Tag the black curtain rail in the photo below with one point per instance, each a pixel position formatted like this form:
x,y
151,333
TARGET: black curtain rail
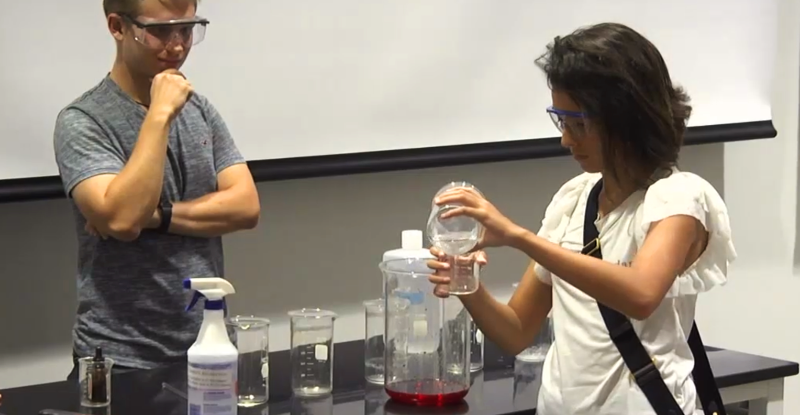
x,y
49,187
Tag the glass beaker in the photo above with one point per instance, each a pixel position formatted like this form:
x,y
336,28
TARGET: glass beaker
x,y
476,347
250,335
374,317
456,237
537,351
426,359
464,274
94,378
312,351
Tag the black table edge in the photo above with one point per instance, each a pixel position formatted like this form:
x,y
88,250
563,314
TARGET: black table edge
x,y
778,370
349,384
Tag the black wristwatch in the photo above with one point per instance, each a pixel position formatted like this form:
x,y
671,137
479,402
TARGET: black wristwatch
x,y
165,209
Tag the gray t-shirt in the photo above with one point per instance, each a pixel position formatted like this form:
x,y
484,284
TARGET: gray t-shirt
x,y
131,300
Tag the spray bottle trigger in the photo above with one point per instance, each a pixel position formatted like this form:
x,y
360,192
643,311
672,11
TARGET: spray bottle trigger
x,y
196,297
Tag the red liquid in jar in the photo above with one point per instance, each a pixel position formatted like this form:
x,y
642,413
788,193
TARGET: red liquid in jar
x,y
427,392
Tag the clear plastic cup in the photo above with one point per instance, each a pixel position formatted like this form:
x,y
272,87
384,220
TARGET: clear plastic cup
x,y
476,347
374,345
250,335
312,351
537,351
456,237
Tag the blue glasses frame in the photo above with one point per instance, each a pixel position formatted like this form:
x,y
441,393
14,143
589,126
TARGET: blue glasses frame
x,y
559,116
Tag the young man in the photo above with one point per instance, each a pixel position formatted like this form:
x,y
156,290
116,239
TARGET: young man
x,y
155,180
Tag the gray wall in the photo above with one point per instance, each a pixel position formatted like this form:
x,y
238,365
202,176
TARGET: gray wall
x,y
318,245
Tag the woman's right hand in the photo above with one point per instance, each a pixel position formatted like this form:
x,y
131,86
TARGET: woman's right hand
x,y
441,275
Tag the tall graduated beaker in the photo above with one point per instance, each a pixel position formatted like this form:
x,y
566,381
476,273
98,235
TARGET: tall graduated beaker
x,y
427,342
476,347
312,351
374,329
250,335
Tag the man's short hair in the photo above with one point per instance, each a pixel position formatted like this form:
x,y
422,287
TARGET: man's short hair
x,y
129,7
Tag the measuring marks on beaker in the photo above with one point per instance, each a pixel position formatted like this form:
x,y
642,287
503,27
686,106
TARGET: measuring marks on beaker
x,y
312,351
312,369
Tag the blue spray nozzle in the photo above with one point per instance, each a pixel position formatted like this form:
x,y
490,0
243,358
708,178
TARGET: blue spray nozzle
x,y
210,304
196,297
213,290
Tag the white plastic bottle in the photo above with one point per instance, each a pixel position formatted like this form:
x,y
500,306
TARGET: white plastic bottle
x,y
212,359
411,247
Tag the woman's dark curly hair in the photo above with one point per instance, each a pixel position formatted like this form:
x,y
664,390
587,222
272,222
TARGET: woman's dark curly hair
x,y
621,81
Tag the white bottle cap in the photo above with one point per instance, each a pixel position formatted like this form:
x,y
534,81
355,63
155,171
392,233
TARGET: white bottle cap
x,y
412,239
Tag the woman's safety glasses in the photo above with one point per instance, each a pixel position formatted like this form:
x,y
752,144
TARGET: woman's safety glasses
x,y
574,122
161,34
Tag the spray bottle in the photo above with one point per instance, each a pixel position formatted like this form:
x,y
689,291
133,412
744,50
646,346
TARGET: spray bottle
x,y
212,359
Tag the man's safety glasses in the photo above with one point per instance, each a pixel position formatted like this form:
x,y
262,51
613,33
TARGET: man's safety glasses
x,y
162,34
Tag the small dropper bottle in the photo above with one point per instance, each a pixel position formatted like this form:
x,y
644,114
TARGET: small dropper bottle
x,y
97,377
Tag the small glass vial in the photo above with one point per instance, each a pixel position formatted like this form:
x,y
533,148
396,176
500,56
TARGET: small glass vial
x,y
373,340
95,380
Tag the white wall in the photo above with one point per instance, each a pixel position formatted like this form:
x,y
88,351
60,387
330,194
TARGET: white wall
x,y
323,236
757,311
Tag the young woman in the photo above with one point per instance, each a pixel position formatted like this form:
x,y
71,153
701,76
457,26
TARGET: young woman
x,y
664,234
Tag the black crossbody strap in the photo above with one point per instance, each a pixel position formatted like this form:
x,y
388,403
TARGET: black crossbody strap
x,y
638,361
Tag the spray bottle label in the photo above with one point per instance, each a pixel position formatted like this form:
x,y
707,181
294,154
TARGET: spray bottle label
x,y
212,388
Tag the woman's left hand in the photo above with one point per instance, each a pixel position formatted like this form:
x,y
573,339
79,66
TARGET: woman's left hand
x,y
499,230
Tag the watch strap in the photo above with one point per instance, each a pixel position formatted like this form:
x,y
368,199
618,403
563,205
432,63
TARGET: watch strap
x,y
166,217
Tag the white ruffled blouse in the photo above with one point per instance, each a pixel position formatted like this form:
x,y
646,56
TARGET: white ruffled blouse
x,y
583,372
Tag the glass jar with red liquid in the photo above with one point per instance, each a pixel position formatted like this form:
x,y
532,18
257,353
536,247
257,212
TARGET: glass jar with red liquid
x,y
427,338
